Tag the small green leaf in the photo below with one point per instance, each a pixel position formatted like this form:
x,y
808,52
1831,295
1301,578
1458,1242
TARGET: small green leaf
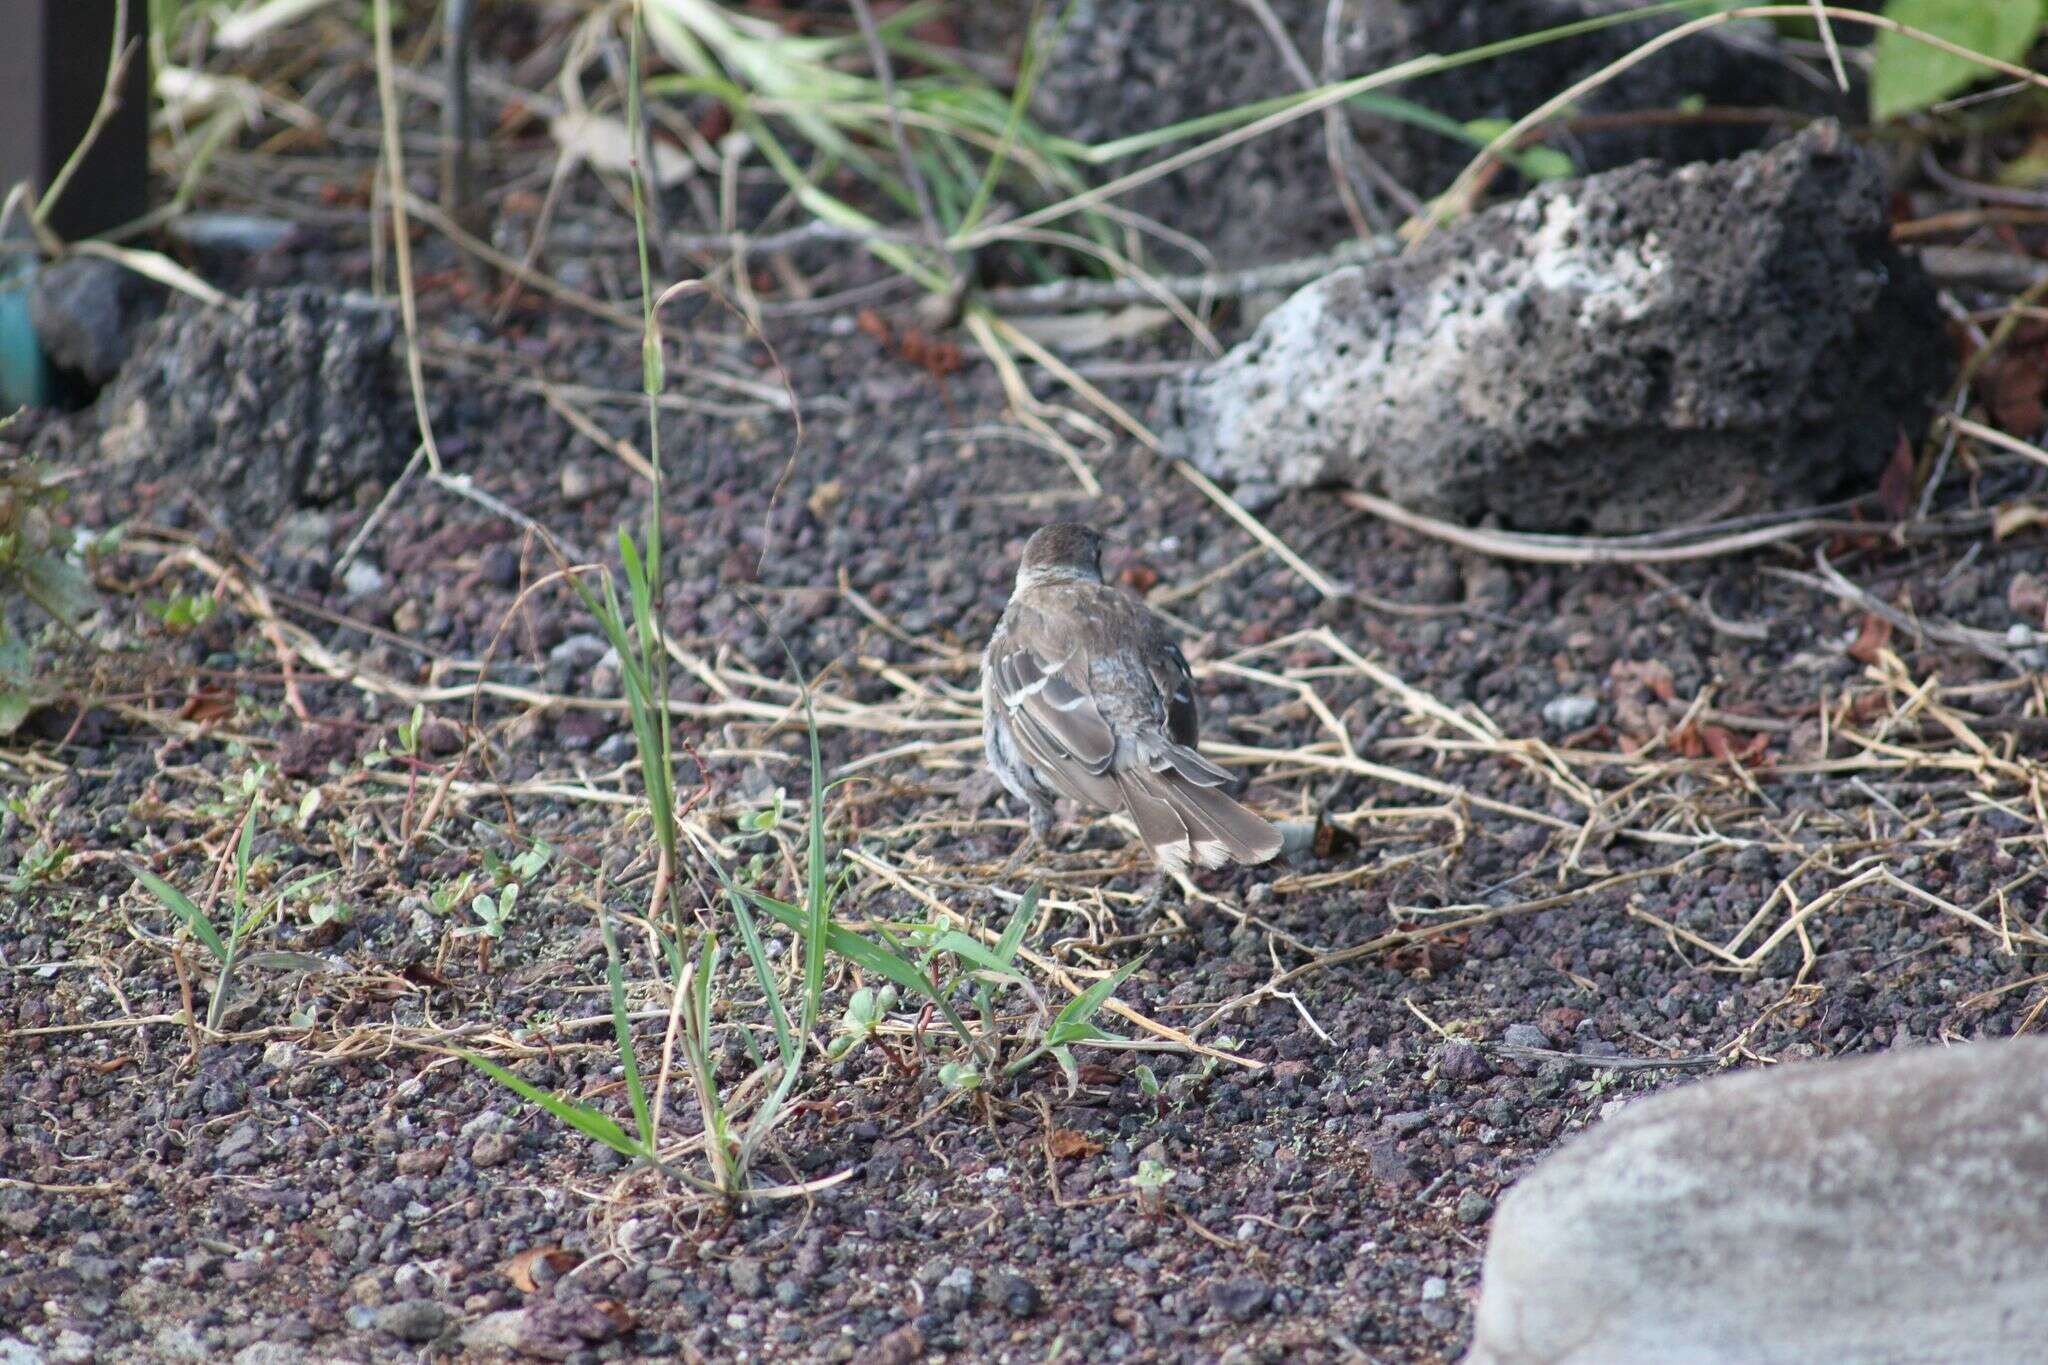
x,y
1065,1057
326,912
622,1032
1908,74
243,849
1020,923
1536,163
1074,1024
961,946
59,587
288,962
181,905
787,1044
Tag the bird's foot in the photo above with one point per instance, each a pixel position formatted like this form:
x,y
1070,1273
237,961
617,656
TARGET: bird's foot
x,y
1147,907
1030,844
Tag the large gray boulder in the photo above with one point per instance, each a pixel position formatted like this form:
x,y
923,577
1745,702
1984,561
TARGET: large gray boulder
x,y
1880,1211
295,398
1618,353
1125,66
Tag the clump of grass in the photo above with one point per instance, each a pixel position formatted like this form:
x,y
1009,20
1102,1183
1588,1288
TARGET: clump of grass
x,y
41,563
244,918
927,964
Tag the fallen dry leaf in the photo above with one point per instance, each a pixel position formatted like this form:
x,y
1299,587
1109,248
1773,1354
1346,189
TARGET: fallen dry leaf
x,y
1139,577
520,1268
2015,517
207,704
1651,674
2027,596
1871,640
1895,484
875,327
1067,1145
1717,742
824,498
2014,385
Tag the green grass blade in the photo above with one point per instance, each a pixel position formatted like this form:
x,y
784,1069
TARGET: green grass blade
x,y
787,1045
622,1029
974,951
181,905
818,893
872,958
1075,1023
583,1119
1020,923
707,969
243,849
1029,69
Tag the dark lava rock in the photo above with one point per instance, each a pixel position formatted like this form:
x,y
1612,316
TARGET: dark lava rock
x,y
86,311
1018,1296
562,1327
1616,353
899,1347
414,1320
1241,1300
746,1278
1390,1164
1119,66
1462,1062
492,1149
291,398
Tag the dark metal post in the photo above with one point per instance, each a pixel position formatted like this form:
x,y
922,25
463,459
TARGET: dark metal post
x,y
53,69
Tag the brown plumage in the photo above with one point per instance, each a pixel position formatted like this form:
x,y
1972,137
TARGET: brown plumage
x,y
1085,695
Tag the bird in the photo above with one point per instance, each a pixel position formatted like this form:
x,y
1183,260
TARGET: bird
x,y
1085,695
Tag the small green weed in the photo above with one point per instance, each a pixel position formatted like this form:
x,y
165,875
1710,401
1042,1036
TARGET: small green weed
x,y
244,918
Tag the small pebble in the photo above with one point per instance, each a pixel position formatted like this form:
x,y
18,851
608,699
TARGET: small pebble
x,y
362,579
414,1320
1473,1208
1569,713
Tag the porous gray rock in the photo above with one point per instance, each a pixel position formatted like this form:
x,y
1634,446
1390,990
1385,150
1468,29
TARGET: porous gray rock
x,y
85,310
1124,66
296,401
413,1320
1879,1211
1619,353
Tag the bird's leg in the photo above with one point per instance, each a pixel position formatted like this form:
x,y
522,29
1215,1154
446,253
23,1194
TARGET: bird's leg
x,y
1147,907
1039,837
1016,859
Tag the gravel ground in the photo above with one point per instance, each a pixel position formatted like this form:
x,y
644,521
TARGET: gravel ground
x,y
330,1183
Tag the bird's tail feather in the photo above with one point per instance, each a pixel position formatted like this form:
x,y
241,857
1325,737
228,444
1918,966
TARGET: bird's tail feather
x,y
1185,825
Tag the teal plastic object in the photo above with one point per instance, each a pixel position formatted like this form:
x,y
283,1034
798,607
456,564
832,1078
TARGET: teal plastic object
x,y
24,374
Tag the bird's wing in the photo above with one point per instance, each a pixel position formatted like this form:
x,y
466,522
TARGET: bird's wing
x,y
1179,718
1041,679
1177,685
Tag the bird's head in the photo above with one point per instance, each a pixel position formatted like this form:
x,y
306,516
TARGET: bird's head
x,y
1065,551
